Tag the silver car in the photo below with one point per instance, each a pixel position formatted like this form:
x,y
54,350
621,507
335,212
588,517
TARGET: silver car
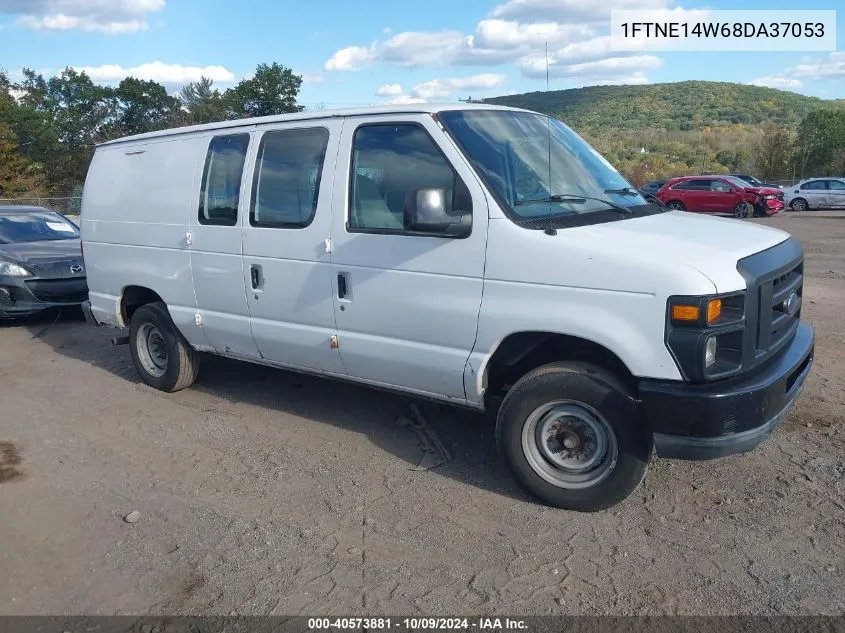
x,y
816,193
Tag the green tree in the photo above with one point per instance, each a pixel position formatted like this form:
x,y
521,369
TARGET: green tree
x,y
774,152
272,90
203,103
18,176
820,146
58,121
144,106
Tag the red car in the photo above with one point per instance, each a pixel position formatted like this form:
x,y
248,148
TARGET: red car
x,y
720,194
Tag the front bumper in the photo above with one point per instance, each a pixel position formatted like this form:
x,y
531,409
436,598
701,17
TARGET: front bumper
x,y
20,296
734,415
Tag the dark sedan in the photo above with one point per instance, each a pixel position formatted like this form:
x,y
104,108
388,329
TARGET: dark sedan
x,y
40,262
650,189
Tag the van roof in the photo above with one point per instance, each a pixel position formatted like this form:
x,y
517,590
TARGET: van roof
x,y
418,108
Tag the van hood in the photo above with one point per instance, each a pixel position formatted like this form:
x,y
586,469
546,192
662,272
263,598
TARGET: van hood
x,y
711,245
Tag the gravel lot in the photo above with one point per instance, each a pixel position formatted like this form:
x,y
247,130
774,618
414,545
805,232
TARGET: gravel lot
x,y
261,491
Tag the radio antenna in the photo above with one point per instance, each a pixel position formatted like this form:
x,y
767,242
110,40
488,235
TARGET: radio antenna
x,y
550,230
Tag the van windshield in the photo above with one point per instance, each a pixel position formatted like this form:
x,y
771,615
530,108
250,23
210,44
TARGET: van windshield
x,y
539,168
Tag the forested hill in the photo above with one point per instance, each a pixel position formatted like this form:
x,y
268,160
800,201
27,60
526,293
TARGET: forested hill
x,y
687,105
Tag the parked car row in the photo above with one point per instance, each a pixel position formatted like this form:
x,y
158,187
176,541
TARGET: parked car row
x,y
729,194
716,194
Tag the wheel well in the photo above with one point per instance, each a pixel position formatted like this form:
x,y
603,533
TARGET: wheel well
x,y
133,298
521,352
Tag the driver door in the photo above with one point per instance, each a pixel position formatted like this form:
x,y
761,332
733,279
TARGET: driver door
x,y
406,303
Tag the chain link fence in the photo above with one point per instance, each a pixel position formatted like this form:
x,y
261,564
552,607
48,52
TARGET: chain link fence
x,y
69,206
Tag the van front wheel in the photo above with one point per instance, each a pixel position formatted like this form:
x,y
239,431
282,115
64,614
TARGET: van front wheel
x,y
573,436
162,356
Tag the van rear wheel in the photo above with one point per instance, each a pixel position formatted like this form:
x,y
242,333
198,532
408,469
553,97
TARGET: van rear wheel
x,y
162,356
573,436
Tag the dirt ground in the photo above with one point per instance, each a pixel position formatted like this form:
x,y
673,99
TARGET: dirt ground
x,y
261,491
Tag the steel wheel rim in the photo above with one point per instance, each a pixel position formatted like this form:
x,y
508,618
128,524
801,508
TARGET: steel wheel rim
x,y
152,349
569,444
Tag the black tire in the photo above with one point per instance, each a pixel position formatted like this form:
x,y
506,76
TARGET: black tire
x,y
182,361
799,204
676,205
597,390
743,210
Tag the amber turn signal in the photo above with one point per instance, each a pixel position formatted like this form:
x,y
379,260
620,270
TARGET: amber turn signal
x,y
685,313
714,311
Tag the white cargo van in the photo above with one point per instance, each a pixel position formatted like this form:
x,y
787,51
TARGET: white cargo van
x,y
478,255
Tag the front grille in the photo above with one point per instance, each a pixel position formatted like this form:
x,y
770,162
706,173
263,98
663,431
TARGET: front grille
x,y
776,322
771,277
59,290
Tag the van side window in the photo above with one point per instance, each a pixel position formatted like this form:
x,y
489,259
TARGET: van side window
x,y
389,163
221,180
287,177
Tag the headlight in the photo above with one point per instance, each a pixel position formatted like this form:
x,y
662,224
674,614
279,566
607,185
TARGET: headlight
x,y
8,269
710,351
705,334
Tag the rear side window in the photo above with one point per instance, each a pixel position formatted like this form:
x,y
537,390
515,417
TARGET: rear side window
x,y
693,185
221,180
815,185
287,178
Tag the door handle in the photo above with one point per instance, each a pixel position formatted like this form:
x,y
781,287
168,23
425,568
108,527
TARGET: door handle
x,y
256,276
342,290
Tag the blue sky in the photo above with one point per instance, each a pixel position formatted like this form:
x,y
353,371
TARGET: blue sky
x,y
368,51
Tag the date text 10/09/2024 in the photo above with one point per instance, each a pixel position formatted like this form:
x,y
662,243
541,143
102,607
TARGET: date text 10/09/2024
x,y
677,30
417,624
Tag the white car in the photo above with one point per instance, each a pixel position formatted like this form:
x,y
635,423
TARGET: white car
x,y
482,256
816,193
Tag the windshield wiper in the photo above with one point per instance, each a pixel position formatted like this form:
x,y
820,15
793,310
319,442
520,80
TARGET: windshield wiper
x,y
624,191
575,199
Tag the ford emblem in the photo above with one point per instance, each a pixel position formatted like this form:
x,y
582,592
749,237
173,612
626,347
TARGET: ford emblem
x,y
76,269
790,305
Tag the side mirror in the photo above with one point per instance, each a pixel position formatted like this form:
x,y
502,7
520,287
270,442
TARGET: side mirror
x,y
426,211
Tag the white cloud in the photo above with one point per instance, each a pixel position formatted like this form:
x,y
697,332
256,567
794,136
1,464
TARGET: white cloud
x,y
832,66
405,100
810,68
389,90
517,32
569,11
171,74
443,88
774,81
419,49
609,68
350,58
103,16
440,89
505,34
